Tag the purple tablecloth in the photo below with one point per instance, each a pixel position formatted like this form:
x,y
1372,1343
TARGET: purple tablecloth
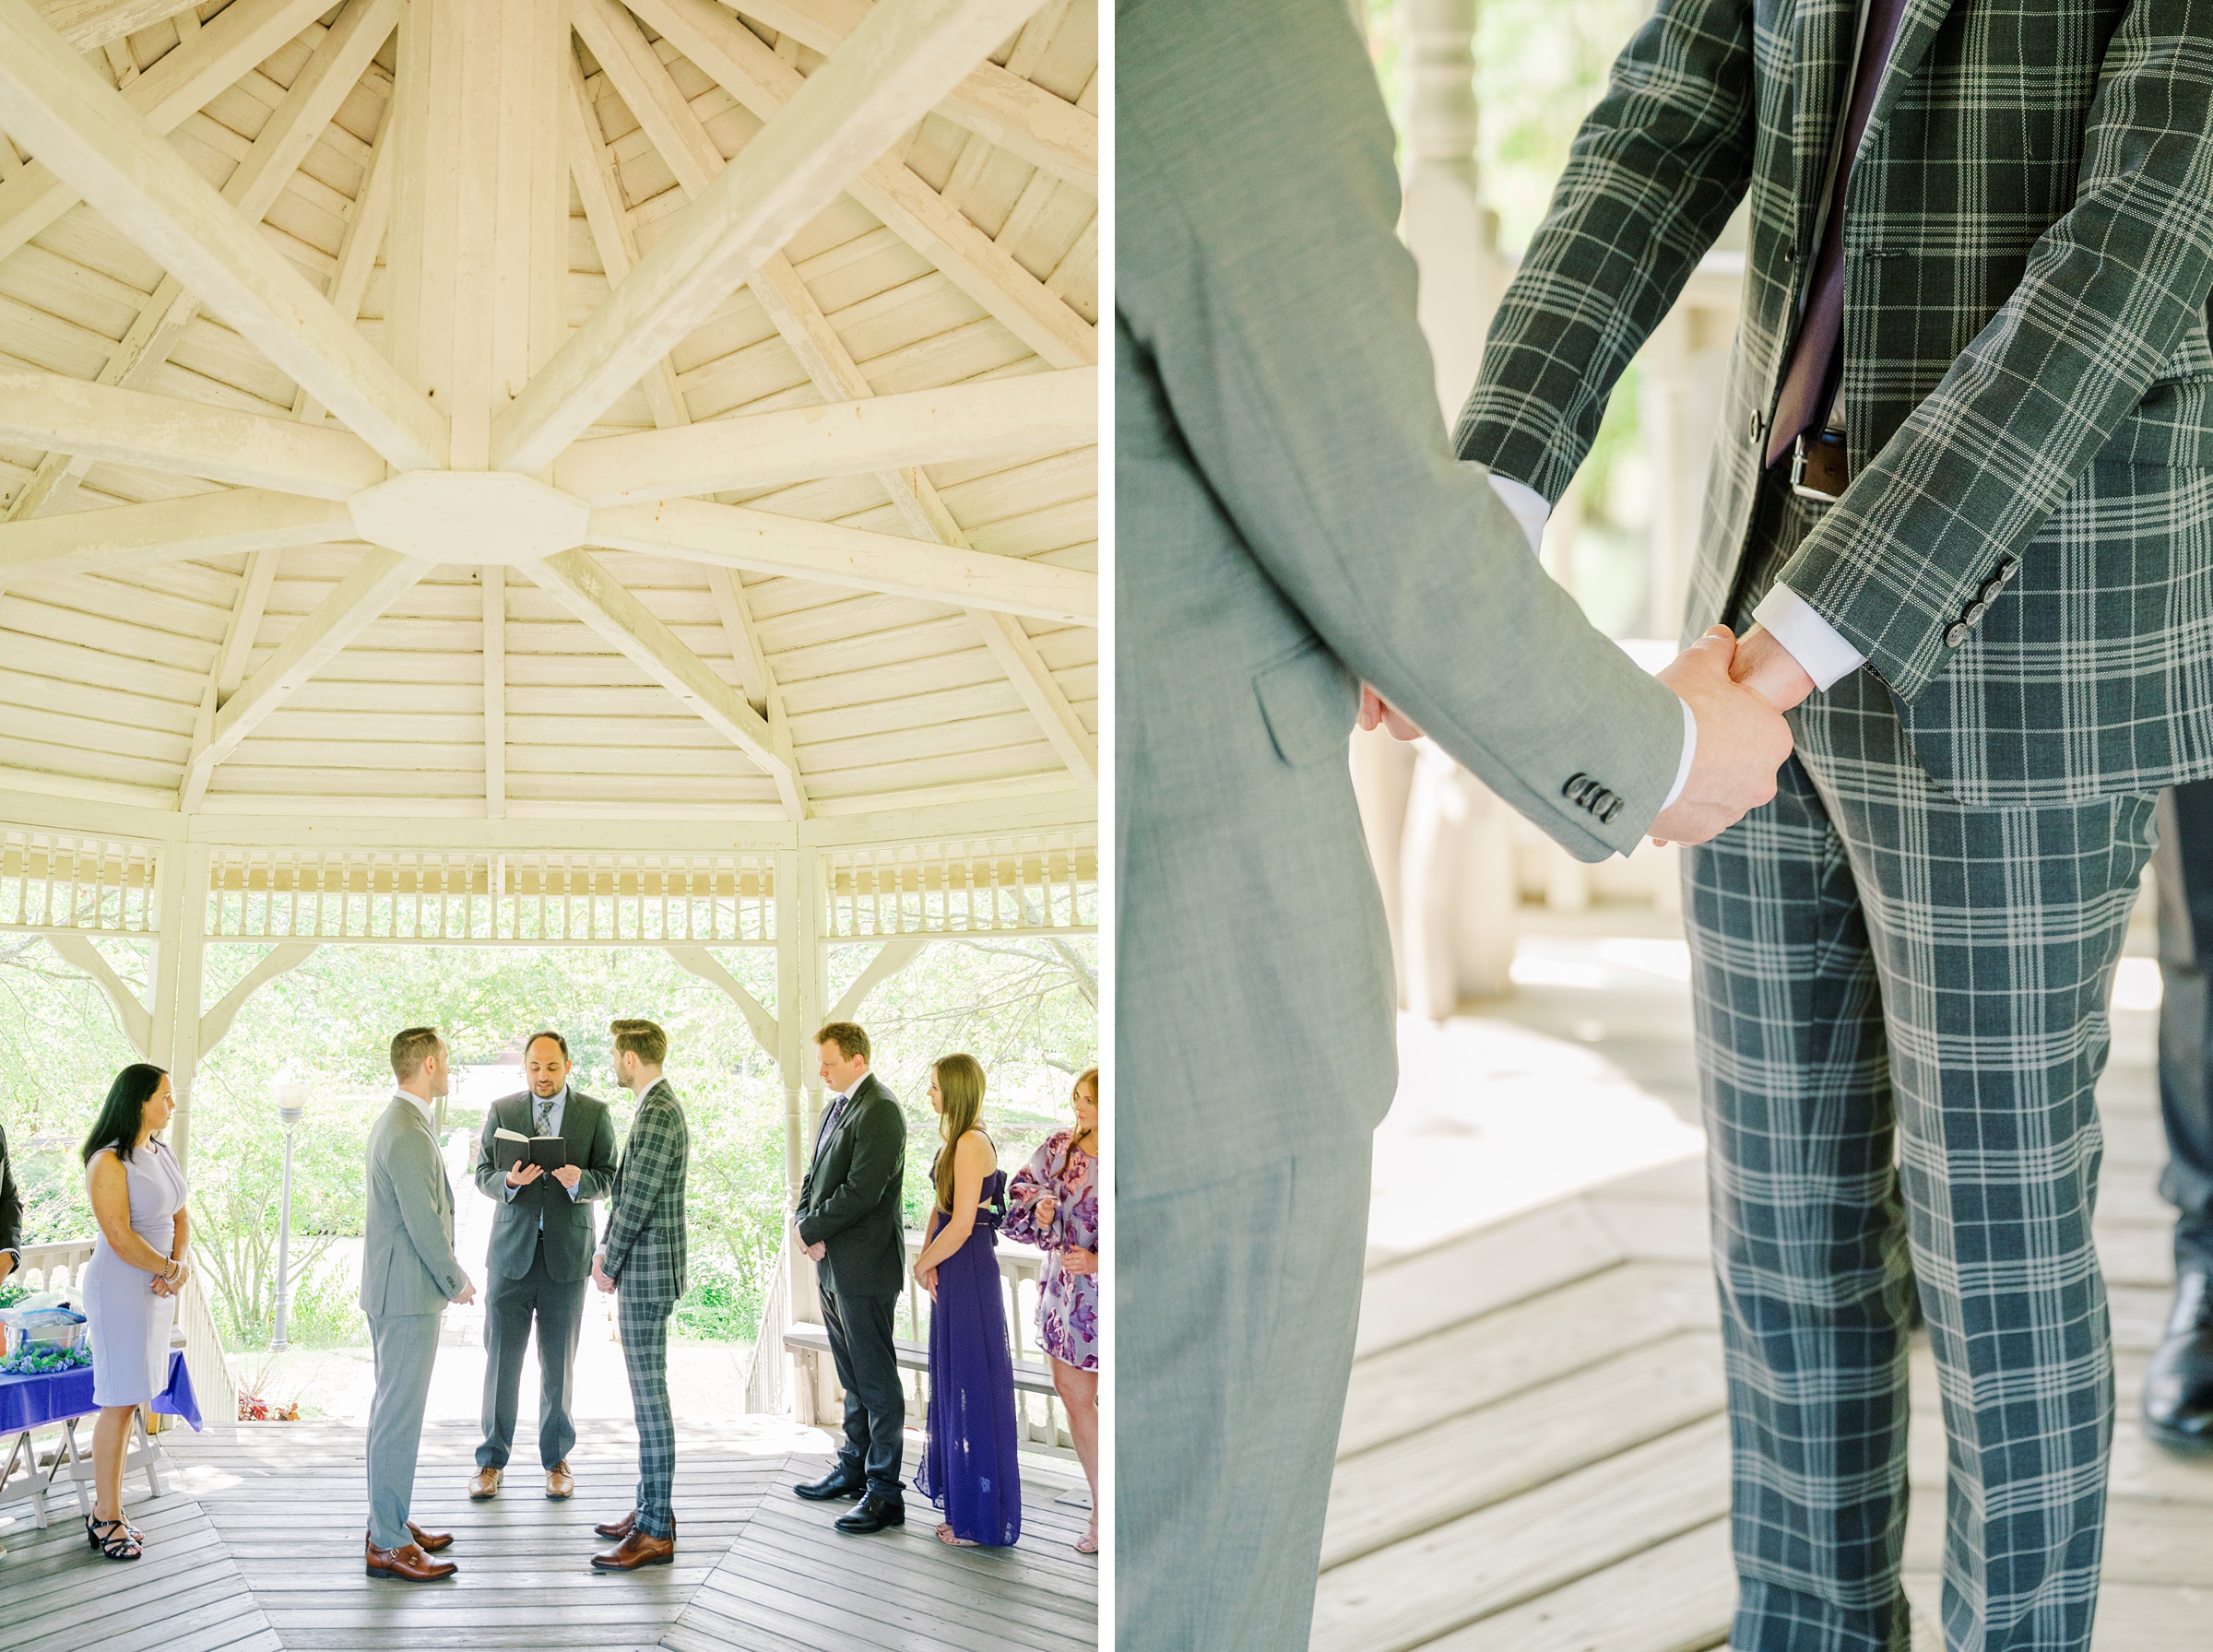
x,y
32,1402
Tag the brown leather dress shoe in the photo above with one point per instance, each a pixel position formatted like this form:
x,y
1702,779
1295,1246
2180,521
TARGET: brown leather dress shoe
x,y
430,1543
408,1562
560,1485
486,1483
617,1528
634,1551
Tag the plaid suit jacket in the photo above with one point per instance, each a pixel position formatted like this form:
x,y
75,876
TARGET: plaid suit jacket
x,y
644,1250
2029,250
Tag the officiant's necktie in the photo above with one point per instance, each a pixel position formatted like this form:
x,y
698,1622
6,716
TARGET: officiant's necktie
x,y
545,1124
1809,386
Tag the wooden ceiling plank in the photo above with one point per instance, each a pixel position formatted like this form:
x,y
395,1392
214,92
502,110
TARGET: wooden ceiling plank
x,y
733,56
495,691
736,537
1033,414
332,70
206,525
85,24
589,591
182,82
89,134
377,580
50,411
894,67
998,104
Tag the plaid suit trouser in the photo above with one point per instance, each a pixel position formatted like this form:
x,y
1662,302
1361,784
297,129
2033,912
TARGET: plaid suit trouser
x,y
1901,1018
645,1327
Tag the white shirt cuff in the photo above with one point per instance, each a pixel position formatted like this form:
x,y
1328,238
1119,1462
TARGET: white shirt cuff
x,y
1825,657
1690,752
1530,509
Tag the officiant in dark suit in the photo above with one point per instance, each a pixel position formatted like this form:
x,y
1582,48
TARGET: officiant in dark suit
x,y
848,1221
540,1257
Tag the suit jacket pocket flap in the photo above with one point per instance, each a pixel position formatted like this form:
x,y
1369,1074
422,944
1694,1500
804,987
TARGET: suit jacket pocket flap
x,y
1311,702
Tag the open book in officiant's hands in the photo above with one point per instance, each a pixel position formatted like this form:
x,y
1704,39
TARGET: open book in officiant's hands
x,y
514,1150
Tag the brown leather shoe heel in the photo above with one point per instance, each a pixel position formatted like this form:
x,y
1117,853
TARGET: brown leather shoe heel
x,y
618,1528
560,1485
430,1543
634,1551
407,1563
484,1484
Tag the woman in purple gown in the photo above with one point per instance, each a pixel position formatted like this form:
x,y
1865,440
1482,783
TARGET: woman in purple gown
x,y
969,1468
1053,1203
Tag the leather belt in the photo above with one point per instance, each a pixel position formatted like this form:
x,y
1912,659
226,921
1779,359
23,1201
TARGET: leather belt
x,y
1819,469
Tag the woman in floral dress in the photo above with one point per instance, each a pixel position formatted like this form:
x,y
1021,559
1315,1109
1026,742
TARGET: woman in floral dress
x,y
1053,1203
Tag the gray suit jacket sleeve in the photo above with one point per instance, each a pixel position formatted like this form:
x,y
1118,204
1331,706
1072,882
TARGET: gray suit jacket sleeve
x,y
1260,273
414,1169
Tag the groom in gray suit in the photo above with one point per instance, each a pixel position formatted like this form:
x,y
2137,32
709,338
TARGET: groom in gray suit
x,y
541,1259
1293,524
409,1274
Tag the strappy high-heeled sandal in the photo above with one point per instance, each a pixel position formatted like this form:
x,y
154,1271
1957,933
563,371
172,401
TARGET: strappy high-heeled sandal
x,y
119,1544
1089,1542
945,1537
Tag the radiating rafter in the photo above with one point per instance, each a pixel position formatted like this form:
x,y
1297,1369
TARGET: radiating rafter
x,y
729,53
861,559
1027,416
227,523
376,582
1021,117
87,133
158,432
893,68
584,585
332,70
185,81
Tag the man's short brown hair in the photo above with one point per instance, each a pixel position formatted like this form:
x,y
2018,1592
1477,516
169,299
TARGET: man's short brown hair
x,y
641,1039
411,1049
847,1036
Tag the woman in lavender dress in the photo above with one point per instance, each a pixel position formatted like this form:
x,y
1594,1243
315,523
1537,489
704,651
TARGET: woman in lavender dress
x,y
131,1285
1054,1204
970,1468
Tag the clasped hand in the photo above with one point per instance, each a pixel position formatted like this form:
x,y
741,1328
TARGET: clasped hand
x,y
1737,693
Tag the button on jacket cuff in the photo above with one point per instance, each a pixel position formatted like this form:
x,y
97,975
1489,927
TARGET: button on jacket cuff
x,y
1824,655
1532,509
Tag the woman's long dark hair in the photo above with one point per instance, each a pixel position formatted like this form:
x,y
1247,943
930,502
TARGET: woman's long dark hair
x,y
124,1113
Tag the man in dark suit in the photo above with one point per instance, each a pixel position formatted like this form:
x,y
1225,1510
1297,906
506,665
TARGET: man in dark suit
x,y
848,1220
539,1259
643,1260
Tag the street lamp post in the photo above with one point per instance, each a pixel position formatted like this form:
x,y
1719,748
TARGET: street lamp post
x,y
292,1102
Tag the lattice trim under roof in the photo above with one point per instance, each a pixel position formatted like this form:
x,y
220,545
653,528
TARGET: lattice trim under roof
x,y
1037,882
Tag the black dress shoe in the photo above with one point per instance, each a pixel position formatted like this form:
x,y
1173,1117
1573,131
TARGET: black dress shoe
x,y
875,1513
837,1483
2178,1390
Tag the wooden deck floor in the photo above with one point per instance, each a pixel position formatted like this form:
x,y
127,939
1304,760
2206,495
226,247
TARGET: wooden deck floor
x,y
1534,1456
260,1549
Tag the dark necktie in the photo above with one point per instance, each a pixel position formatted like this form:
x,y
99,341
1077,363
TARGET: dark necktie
x,y
836,1112
1809,386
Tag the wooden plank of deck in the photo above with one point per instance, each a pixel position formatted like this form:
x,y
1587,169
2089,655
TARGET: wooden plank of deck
x,y
1492,1495
773,1589
182,1595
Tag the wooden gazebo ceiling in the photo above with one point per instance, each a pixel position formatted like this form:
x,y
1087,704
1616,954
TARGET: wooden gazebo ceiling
x,y
554,408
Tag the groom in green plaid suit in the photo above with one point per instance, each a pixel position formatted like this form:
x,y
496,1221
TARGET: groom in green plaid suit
x,y
1965,490
642,1259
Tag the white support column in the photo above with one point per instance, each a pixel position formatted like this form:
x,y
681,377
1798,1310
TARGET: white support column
x,y
1444,224
178,968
